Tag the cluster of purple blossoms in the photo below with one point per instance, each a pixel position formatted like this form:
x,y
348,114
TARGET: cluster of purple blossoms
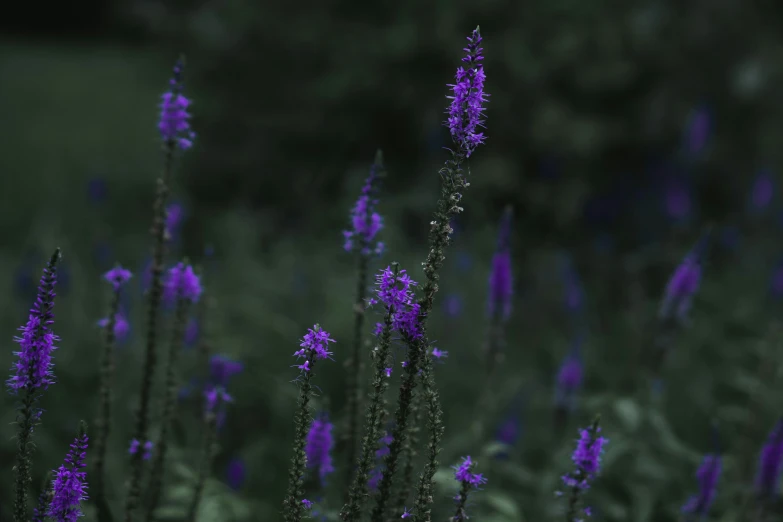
x,y
314,345
181,282
770,461
69,485
466,111
707,475
365,221
318,447
587,458
174,124
34,368
464,473
396,293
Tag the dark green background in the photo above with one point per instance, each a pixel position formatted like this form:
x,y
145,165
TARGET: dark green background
x,y
587,127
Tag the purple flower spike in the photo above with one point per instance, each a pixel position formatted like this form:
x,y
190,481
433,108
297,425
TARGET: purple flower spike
x,y
683,284
181,282
69,486
174,124
33,370
587,458
465,115
365,221
707,476
318,448
117,276
770,460
316,342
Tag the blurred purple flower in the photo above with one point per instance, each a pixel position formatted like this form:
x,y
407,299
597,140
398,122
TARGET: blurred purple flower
x,y
318,448
677,199
365,221
569,379
222,369
121,327
235,473
453,305
573,293
770,460
683,284
698,130
175,214
501,283
762,192
117,276
707,476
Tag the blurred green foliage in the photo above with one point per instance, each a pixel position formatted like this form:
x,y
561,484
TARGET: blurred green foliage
x,y
589,102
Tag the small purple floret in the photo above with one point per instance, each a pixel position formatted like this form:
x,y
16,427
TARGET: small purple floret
x,y
117,276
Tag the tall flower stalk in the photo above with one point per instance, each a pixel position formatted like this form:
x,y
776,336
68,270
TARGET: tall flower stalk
x,y
117,277
314,347
32,373
174,127
394,292
182,287
361,239
465,117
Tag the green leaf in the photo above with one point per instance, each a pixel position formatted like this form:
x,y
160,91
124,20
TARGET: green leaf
x,y
504,505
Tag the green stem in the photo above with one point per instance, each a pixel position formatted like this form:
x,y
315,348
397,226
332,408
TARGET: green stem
x,y
292,505
352,510
150,353
103,421
355,366
210,431
169,401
